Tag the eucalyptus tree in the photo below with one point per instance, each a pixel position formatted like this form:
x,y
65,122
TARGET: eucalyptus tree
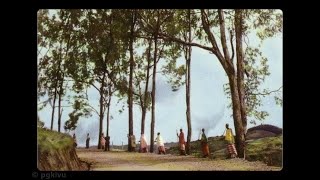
x,y
151,22
104,49
216,24
54,36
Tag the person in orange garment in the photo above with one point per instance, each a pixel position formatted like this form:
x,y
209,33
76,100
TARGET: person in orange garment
x,y
182,143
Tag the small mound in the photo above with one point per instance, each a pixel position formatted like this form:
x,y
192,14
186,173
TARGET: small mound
x,y
263,131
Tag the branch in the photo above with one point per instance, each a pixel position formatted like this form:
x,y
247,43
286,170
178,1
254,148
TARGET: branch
x,y
246,72
64,106
137,94
39,51
92,84
232,47
94,110
141,100
46,52
46,101
83,82
223,35
156,73
177,40
158,57
205,24
225,64
267,93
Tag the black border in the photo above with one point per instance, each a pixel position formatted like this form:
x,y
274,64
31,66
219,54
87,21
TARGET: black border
x,y
70,4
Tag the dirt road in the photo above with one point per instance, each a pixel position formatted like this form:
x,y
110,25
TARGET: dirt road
x,y
124,161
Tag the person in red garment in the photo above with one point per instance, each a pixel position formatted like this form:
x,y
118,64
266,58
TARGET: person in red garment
x,y
182,143
204,145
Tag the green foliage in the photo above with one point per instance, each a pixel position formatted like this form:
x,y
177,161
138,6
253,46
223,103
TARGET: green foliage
x,y
81,108
257,69
50,141
268,150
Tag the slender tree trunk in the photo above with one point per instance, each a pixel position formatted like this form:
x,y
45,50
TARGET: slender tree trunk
x,y
188,109
130,93
146,94
56,87
143,119
59,106
107,148
236,107
61,78
130,96
101,113
153,116
188,83
60,115
240,68
53,107
108,114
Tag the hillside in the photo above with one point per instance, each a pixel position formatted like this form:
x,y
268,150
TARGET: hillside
x,y
266,127
262,131
56,152
267,150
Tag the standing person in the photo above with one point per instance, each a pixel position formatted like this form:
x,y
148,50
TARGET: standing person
x,y
182,143
75,140
143,144
204,144
88,141
160,144
107,145
102,141
229,139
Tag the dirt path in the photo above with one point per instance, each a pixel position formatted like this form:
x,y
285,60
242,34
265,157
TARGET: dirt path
x,y
116,160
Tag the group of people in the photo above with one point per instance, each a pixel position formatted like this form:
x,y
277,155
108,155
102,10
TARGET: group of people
x,y
229,139
105,142
144,145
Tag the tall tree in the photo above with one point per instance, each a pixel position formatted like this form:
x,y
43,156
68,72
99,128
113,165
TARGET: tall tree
x,y
130,92
215,18
141,97
51,64
66,29
153,93
146,96
153,21
188,84
240,65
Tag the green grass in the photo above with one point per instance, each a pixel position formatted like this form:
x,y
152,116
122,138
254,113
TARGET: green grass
x,y
267,150
49,141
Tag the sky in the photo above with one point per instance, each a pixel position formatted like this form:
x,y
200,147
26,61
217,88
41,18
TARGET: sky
x,y
208,102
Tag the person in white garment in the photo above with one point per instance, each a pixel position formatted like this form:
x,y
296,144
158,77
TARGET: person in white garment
x,y
160,144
